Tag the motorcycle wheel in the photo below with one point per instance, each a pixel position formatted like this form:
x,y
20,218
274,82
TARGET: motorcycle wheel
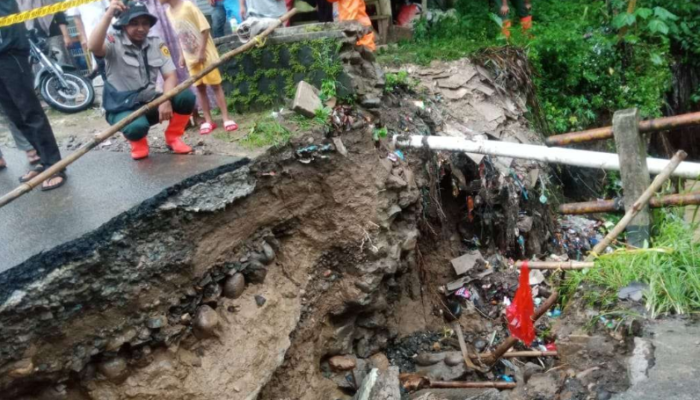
x,y
77,97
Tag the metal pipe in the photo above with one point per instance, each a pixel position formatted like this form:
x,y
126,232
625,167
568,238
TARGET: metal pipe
x,y
651,125
615,205
533,353
582,158
555,265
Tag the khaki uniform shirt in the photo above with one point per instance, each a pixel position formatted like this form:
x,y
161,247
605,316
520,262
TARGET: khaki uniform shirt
x,y
126,69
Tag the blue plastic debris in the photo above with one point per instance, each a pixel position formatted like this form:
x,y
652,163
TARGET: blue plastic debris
x,y
399,153
506,378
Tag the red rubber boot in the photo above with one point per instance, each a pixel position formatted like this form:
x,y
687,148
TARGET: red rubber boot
x,y
173,135
139,148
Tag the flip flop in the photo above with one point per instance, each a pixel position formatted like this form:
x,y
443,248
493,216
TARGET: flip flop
x,y
62,175
207,128
230,125
38,169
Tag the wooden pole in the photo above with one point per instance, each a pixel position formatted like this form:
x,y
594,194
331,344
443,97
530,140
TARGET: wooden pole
x,y
563,265
638,205
463,346
61,165
515,354
511,341
472,385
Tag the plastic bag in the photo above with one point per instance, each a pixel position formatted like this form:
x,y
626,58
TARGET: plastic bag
x,y
519,313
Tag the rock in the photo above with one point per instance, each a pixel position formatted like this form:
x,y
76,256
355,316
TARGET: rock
x,y
21,368
380,385
641,361
410,241
206,321
425,359
340,146
259,300
450,94
342,363
156,322
372,321
268,252
371,102
634,291
454,359
306,100
234,286
114,369
457,80
394,182
480,345
442,371
466,262
255,272
380,361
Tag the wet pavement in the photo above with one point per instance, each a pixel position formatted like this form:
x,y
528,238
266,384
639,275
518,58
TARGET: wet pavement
x,y
100,186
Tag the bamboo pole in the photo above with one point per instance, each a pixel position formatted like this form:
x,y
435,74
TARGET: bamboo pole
x,y
472,385
563,265
639,204
515,354
600,206
511,341
61,165
651,125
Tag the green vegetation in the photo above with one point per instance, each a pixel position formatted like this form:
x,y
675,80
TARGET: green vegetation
x,y
590,57
262,77
398,80
266,132
380,133
671,269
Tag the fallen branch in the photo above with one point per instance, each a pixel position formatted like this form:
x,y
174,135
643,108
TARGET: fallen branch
x,y
639,204
111,131
494,356
463,347
563,265
615,205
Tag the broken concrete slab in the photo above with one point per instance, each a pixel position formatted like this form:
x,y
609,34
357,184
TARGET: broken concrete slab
x,y
458,79
641,361
453,95
380,385
489,111
466,262
306,100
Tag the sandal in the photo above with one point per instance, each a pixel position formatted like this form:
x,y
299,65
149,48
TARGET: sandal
x,y
33,157
61,175
230,125
207,128
31,174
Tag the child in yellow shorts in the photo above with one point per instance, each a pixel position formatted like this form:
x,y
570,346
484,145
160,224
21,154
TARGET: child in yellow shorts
x,y
193,32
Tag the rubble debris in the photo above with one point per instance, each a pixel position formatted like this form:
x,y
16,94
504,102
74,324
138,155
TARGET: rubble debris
x,y
634,291
641,361
114,369
260,300
380,385
234,286
466,262
306,100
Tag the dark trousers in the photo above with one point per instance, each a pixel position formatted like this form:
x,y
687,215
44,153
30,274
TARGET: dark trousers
x,y
219,23
182,104
21,105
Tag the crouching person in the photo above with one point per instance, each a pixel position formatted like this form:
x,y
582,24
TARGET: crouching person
x,y
132,63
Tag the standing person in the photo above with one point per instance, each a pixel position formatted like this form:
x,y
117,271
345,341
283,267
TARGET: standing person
x,y
235,9
21,141
199,52
522,8
356,10
219,23
53,26
133,61
18,99
265,8
86,18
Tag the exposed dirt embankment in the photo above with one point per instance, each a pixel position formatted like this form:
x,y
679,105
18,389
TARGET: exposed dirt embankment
x,y
196,294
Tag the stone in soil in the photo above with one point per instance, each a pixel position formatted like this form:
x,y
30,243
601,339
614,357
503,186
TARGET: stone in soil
x,y
234,286
342,363
306,100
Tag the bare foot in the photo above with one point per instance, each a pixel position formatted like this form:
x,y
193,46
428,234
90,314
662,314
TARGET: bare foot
x,y
3,164
33,157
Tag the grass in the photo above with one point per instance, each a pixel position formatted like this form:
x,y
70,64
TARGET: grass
x,y
671,269
266,132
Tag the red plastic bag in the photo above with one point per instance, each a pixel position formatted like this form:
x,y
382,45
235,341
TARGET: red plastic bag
x,y
519,313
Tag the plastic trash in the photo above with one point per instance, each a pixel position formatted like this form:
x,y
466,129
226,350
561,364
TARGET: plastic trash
x,y
463,293
519,313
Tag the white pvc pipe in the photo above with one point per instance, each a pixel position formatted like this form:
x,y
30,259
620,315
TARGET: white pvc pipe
x,y
558,155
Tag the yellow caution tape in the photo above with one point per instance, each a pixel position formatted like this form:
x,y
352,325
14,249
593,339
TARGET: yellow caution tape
x,y
41,12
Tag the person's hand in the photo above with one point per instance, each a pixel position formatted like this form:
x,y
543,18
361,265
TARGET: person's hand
x,y
116,6
84,44
67,40
505,10
181,62
528,5
202,59
165,111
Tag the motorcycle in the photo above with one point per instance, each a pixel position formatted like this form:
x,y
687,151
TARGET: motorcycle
x,y
61,86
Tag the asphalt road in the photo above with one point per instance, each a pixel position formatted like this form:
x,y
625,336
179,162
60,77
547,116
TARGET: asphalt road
x,y
100,186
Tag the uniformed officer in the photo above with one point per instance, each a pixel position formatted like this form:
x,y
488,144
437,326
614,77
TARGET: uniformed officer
x,y
132,63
